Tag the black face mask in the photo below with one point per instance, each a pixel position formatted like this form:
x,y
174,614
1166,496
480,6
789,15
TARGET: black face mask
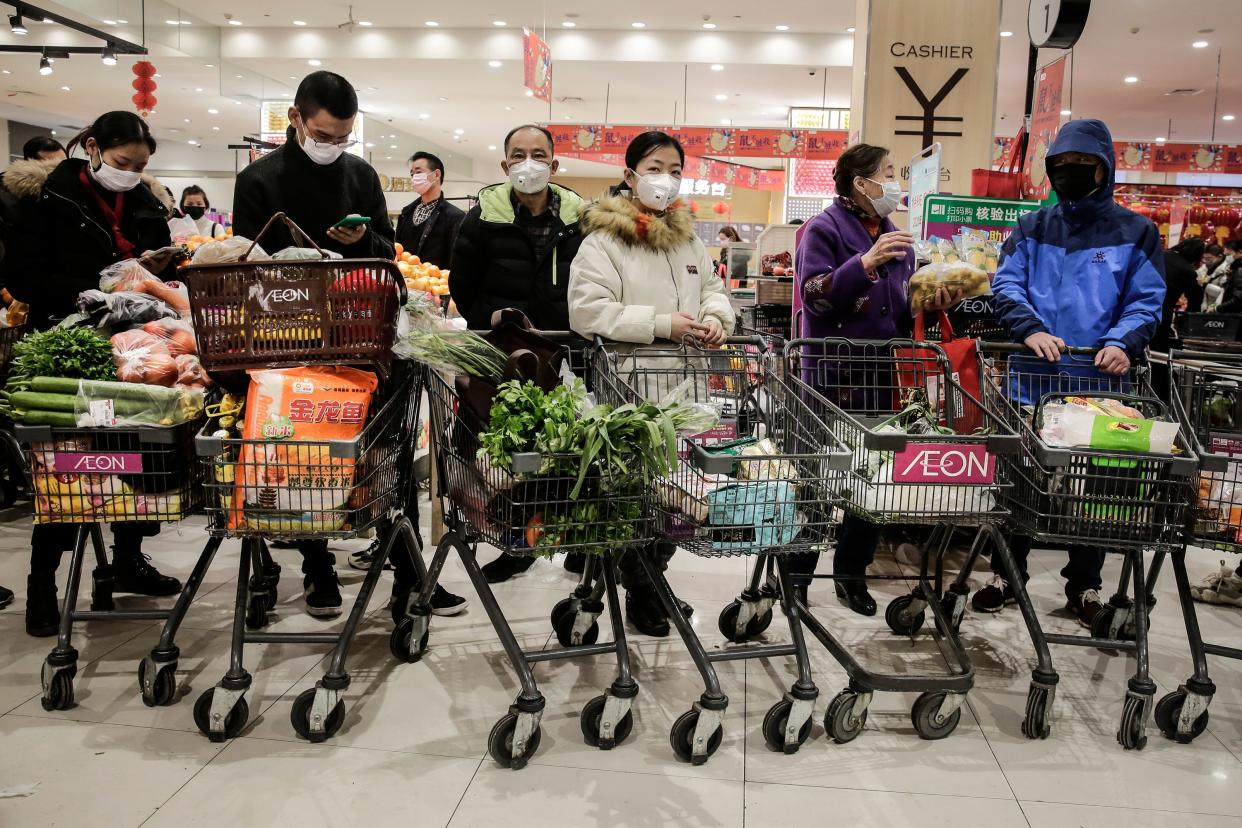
x,y
195,213
1074,182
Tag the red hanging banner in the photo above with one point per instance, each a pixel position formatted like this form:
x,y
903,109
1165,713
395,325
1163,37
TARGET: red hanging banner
x,y
1045,123
537,65
603,139
706,169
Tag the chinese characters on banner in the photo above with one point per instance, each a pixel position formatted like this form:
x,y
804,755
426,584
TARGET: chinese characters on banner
x,y
1149,156
701,169
602,139
944,215
537,65
1045,123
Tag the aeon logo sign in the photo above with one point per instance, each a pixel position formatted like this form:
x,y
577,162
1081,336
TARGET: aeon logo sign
x,y
944,463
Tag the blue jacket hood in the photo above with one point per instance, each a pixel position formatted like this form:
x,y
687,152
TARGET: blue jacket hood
x,y
1092,137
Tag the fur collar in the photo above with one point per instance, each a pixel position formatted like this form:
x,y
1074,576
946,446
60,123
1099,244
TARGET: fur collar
x,y
25,179
620,218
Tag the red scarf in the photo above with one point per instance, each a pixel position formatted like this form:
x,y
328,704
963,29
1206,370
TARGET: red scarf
x,y
111,216
870,223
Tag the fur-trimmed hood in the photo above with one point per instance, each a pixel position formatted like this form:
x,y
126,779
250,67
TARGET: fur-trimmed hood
x,y
618,217
25,179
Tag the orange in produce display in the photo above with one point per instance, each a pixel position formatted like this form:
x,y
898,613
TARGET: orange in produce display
x,y
421,276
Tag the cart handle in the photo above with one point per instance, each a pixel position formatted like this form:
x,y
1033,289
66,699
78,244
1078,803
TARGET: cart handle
x,y
1204,358
297,231
1019,348
760,342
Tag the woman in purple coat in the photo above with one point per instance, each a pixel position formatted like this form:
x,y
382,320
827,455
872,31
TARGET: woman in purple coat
x,y
854,268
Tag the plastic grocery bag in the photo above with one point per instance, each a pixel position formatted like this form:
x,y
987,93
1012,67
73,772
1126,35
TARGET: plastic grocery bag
x,y
112,404
751,517
143,358
953,277
181,228
130,275
1103,423
228,250
302,254
121,310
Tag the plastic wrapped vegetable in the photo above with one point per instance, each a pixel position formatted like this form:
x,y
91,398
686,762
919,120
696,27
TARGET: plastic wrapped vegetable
x,y
178,335
228,250
130,275
190,372
144,358
107,404
302,254
122,309
955,277
1103,423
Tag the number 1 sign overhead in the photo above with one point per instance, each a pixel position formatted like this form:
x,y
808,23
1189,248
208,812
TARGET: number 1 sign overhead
x,y
1057,24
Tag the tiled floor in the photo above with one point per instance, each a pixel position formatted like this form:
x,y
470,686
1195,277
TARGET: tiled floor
x,y
413,747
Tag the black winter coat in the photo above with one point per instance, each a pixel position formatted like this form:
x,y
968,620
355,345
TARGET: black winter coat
x,y
494,263
70,242
433,240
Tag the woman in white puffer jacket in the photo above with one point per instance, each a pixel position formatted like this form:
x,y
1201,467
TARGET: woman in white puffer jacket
x,y
642,276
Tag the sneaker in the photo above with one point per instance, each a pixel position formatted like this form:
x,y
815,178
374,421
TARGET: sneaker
x,y
1086,607
6,597
322,594
134,573
907,554
42,608
994,597
445,603
646,614
506,566
1223,587
363,560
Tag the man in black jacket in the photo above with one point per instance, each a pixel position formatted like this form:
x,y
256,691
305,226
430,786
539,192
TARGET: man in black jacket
x,y
428,227
513,250
314,181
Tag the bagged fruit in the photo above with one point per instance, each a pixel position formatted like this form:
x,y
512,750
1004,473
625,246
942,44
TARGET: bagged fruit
x,y
955,277
291,482
228,250
143,357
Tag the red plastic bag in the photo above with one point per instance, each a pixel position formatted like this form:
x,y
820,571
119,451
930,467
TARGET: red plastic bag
x,y
919,368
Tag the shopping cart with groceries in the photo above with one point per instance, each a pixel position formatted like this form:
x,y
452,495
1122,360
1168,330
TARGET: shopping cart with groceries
x,y
925,450
322,449
1105,465
1206,394
762,482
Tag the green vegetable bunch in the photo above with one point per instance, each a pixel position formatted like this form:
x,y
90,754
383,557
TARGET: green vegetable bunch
x,y
606,522
524,418
76,353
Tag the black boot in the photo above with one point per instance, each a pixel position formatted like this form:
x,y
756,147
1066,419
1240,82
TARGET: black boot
x,y
646,614
686,609
42,608
6,597
506,566
856,596
575,562
134,573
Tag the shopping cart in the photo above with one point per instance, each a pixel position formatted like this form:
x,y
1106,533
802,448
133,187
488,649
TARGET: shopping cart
x,y
774,499
1122,501
1206,392
91,476
250,315
925,451
529,509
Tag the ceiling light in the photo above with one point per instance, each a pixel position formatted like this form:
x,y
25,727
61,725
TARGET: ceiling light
x,y
782,28
1160,139
722,97
215,129
566,117
209,66
366,24
65,89
122,22
299,22
173,22
387,157
638,24
530,94
491,147
459,131
508,109
213,112
108,56
16,26
717,67
392,146
45,66
370,145
192,142
443,98
850,30
1065,112
1006,34
430,23
1200,44
1131,79
568,24
235,23
422,116
725,121
187,120
314,62
239,77
495,64
6,71
198,89
108,22
1226,117
499,23
709,25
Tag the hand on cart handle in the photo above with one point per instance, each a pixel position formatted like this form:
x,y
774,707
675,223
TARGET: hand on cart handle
x,y
686,326
1113,360
715,336
1046,346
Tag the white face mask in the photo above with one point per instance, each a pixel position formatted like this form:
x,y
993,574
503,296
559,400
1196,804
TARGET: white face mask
x,y
889,200
421,182
322,153
110,178
529,176
658,190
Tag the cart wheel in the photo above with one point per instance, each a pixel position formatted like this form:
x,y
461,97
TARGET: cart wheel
x,y
1169,710
500,743
1102,621
839,720
682,737
163,688
563,616
899,618
300,717
774,727
256,612
1035,725
1132,733
59,693
754,628
927,719
402,644
593,713
233,723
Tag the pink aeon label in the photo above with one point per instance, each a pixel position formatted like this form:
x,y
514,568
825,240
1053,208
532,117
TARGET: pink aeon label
x,y
98,462
944,463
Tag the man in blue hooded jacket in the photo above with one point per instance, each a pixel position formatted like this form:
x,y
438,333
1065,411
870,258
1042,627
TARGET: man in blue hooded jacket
x,y
1085,272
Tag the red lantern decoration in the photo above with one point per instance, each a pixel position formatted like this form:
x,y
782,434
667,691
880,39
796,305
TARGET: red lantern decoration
x,y
144,69
720,208
144,83
694,208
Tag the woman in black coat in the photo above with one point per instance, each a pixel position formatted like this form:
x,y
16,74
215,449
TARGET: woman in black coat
x,y
92,213
1181,278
